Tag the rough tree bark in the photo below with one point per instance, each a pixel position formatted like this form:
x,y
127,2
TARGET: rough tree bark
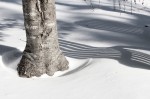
x,y
42,53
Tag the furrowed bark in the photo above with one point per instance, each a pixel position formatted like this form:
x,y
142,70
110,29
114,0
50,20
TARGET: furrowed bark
x,y
42,53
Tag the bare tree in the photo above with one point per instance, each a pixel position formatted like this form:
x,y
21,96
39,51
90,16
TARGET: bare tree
x,y
42,53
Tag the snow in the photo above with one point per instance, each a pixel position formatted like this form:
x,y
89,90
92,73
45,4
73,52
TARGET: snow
x,y
109,56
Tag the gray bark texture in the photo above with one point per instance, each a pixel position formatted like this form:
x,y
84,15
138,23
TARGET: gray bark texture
x,y
42,53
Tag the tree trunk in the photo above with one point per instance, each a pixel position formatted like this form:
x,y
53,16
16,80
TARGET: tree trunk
x,y
42,53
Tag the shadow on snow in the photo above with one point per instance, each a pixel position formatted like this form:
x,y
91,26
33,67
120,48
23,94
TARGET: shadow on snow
x,y
129,57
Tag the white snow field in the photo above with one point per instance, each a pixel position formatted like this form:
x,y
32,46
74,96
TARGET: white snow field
x,y
108,52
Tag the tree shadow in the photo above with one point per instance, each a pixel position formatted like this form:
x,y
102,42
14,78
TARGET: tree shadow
x,y
113,32
10,23
4,49
1,36
64,26
13,1
107,6
62,35
9,56
116,32
140,17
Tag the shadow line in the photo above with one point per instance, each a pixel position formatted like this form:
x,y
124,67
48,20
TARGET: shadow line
x,y
127,55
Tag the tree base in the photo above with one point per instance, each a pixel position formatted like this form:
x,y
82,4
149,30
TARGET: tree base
x,y
27,68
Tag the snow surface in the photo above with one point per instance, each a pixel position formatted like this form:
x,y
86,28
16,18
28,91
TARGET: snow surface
x,y
107,50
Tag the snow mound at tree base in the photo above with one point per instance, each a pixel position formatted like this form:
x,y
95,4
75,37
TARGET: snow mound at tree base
x,y
10,59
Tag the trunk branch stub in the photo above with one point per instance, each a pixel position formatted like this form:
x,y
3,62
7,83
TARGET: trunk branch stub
x,y
42,53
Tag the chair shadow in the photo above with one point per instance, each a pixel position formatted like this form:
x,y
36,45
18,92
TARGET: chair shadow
x,y
127,55
109,25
